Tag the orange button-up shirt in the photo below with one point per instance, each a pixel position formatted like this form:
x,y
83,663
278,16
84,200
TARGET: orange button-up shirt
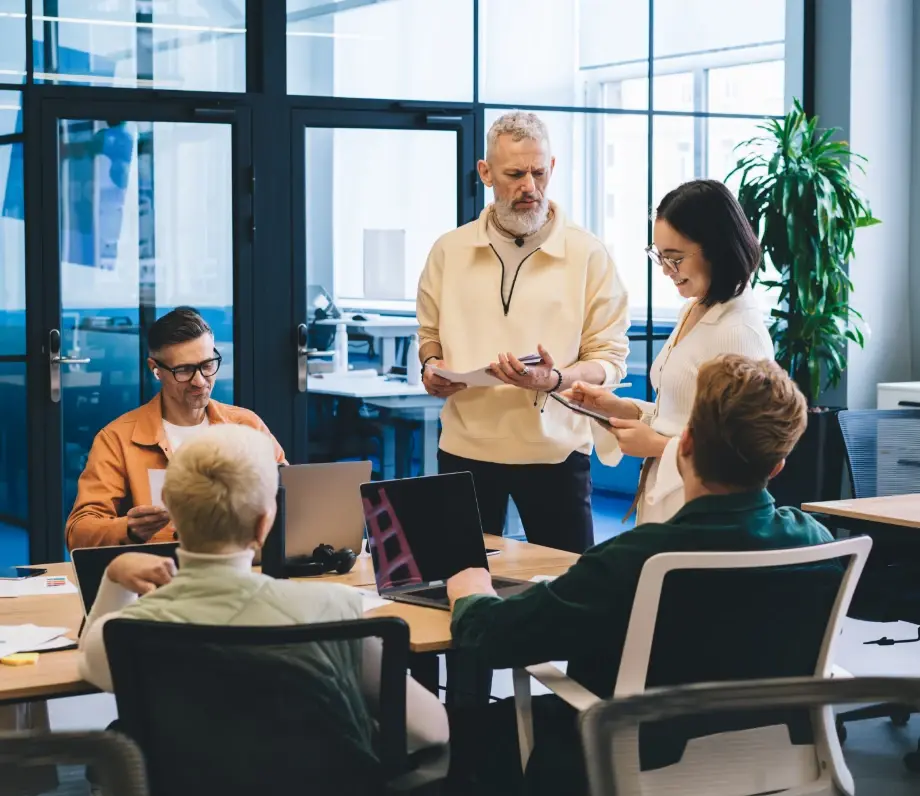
x,y
116,477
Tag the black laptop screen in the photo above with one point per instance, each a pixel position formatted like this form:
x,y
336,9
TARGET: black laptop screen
x,y
422,529
90,563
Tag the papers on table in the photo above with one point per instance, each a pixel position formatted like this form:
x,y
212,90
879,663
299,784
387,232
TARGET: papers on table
x,y
371,600
481,377
27,638
156,478
37,586
542,578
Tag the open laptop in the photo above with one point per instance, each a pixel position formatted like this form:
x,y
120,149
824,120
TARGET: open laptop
x,y
89,565
322,506
422,531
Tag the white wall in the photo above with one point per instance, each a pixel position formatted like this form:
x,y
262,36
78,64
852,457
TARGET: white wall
x,y
880,129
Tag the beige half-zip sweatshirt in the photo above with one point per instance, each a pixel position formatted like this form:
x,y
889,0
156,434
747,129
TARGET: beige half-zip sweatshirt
x,y
567,297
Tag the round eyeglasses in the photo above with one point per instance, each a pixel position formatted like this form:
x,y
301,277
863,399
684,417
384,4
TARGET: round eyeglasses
x,y
669,263
185,373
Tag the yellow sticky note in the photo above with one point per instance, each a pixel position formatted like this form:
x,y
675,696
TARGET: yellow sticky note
x,y
20,659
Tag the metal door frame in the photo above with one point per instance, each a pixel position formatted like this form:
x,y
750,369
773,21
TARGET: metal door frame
x,y
43,278
461,121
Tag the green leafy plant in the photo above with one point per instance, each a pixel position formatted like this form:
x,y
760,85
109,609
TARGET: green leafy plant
x,y
797,193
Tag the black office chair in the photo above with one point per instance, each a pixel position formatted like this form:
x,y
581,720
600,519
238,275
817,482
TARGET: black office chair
x,y
267,710
116,761
613,770
883,458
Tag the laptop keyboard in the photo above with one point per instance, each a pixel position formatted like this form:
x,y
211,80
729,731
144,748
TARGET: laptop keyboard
x,y
440,592
434,593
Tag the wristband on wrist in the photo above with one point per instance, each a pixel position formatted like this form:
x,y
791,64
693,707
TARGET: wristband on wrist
x,y
427,360
559,380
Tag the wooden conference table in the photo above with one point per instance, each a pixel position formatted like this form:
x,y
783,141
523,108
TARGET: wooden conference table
x,y
56,675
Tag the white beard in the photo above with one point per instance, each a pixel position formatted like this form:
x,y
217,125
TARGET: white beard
x,y
521,223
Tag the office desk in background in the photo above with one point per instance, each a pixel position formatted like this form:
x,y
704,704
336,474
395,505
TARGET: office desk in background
x,y
402,408
388,328
901,511
56,673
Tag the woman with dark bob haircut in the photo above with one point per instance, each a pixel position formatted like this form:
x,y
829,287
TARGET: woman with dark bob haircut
x,y
704,244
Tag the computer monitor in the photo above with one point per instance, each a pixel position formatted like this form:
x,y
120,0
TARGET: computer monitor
x,y
422,530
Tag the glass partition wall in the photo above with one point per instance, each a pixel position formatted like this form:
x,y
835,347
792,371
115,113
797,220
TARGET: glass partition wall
x,y
258,160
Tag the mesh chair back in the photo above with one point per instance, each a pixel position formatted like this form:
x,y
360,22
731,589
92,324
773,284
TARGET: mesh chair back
x,y
883,451
725,625
268,710
116,761
609,772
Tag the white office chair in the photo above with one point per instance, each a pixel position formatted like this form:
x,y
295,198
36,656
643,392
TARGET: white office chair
x,y
741,762
609,775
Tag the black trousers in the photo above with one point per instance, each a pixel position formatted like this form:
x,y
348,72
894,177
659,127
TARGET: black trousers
x,y
554,500
485,758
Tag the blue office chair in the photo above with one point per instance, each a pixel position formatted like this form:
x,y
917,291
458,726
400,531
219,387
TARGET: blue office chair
x,y
883,458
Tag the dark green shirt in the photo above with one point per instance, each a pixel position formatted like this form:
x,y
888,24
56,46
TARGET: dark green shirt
x,y
582,616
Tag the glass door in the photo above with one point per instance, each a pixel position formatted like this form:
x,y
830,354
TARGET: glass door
x,y
372,193
144,212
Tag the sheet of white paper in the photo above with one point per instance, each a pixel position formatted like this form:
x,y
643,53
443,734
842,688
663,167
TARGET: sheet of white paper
x,y
55,644
38,586
156,478
481,376
20,638
542,578
474,378
371,600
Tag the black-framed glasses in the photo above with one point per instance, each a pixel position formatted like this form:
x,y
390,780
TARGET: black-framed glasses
x,y
670,263
185,373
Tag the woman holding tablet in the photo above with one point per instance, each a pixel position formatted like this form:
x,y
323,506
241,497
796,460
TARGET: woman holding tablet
x,y
705,245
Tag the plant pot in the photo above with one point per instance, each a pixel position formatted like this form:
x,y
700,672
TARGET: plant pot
x,y
815,468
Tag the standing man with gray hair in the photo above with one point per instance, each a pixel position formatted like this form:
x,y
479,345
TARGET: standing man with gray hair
x,y
519,279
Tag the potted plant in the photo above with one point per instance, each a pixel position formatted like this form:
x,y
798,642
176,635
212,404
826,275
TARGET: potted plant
x,y
798,195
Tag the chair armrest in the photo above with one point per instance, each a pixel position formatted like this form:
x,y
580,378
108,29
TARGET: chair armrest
x,y
560,684
563,686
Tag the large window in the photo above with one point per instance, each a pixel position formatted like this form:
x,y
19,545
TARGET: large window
x,y
190,46
256,158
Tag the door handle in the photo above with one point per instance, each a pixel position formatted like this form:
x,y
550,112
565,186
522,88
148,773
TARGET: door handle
x,y
302,357
55,360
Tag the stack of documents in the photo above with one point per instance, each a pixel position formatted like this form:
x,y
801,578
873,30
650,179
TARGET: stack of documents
x,y
37,586
481,377
31,638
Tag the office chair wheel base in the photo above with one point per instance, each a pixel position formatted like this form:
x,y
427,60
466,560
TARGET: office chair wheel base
x,y
841,731
900,718
912,762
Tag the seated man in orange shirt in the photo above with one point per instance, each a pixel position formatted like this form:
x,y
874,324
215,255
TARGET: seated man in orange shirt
x,y
113,504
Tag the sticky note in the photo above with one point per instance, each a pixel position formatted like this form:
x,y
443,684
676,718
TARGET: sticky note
x,y
20,659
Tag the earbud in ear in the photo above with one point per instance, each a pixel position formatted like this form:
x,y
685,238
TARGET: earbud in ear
x,y
156,373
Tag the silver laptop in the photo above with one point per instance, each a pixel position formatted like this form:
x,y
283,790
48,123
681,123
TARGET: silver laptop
x,y
422,531
322,505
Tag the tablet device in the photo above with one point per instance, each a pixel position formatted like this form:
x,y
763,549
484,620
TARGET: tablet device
x,y
580,409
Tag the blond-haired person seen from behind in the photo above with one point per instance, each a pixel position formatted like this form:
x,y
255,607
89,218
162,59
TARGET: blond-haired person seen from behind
x,y
221,494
